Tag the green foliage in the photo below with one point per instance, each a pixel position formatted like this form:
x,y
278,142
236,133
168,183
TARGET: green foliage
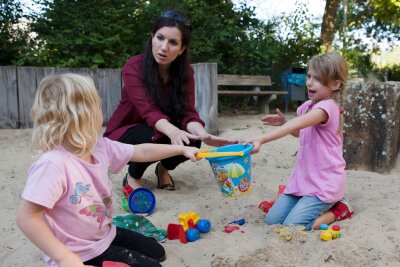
x,y
375,19
378,18
104,34
233,38
296,42
13,38
84,33
299,38
357,56
388,73
393,72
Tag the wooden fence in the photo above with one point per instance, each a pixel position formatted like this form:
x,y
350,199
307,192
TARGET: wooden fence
x,y
18,86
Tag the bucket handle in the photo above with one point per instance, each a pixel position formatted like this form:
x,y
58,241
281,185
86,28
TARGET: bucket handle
x,y
206,154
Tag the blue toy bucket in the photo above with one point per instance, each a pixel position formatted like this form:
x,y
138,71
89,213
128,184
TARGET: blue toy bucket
x,y
232,173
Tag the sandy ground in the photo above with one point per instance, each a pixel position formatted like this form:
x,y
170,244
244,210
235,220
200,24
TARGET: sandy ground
x,y
370,238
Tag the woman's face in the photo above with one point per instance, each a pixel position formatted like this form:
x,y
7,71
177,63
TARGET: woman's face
x,y
167,45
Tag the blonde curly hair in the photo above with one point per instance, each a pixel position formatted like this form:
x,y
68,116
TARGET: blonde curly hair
x,y
66,112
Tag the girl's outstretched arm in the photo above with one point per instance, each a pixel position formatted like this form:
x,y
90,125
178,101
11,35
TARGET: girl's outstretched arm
x,y
311,118
277,119
154,152
31,224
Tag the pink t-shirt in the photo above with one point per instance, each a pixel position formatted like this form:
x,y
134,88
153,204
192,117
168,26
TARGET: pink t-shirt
x,y
78,195
320,166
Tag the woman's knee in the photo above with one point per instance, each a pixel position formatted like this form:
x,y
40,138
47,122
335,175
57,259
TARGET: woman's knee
x,y
196,143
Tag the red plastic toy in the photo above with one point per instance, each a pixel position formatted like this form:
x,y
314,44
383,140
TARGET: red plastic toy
x,y
266,205
230,228
189,228
114,264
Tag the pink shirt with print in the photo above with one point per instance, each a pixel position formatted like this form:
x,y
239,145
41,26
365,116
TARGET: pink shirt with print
x,y
320,166
77,196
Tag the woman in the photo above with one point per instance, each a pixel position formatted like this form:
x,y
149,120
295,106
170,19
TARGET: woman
x,y
157,103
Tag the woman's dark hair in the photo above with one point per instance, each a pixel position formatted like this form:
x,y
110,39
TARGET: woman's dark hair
x,y
178,69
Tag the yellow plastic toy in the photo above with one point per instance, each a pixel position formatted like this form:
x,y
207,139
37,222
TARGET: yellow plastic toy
x,y
184,219
331,233
326,235
288,232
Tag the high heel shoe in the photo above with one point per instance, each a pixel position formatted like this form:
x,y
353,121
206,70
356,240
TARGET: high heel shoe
x,y
126,188
169,187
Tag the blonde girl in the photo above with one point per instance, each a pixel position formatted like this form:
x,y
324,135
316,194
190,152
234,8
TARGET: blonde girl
x,y
317,182
66,206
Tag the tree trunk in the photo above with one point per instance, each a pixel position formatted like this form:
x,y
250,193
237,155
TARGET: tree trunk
x,y
328,24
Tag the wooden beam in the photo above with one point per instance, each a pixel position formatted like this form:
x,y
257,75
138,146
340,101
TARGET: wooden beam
x,y
252,93
244,80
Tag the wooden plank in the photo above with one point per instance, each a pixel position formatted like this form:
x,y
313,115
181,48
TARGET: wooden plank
x,y
9,115
252,93
27,84
205,75
109,84
244,80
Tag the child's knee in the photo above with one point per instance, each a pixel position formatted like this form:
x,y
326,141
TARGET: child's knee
x,y
271,220
158,253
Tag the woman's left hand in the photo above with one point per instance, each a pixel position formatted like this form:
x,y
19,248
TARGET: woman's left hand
x,y
212,140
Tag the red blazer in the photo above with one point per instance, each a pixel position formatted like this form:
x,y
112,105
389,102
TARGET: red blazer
x,y
136,107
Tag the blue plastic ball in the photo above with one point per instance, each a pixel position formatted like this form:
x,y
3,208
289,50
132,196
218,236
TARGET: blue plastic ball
x,y
192,234
203,226
323,226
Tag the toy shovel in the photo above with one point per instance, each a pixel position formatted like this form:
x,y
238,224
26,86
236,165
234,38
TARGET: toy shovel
x,y
206,154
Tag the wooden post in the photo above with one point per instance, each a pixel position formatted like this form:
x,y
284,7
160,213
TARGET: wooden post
x,y
9,115
205,75
263,104
109,84
27,83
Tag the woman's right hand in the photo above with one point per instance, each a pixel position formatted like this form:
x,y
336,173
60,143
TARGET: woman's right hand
x,y
277,119
181,137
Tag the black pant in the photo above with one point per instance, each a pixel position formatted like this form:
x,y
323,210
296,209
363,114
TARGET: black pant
x,y
142,133
133,249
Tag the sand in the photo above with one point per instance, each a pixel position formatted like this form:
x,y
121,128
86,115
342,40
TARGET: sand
x,y
370,238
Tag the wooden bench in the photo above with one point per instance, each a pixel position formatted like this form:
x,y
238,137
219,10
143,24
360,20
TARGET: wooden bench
x,y
255,81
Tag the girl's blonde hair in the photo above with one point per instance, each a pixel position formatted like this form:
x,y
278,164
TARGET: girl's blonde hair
x,y
330,67
64,113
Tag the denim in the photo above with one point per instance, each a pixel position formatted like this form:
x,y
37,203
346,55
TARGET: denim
x,y
296,210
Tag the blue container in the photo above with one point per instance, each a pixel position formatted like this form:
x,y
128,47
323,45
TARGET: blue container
x,y
142,200
293,80
232,173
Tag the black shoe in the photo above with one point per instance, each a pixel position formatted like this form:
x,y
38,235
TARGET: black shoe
x,y
169,187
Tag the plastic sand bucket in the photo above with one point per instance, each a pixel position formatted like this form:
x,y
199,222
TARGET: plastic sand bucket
x,y
232,173
142,200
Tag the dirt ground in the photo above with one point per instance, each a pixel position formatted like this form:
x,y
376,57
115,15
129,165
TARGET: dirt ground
x,y
370,238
